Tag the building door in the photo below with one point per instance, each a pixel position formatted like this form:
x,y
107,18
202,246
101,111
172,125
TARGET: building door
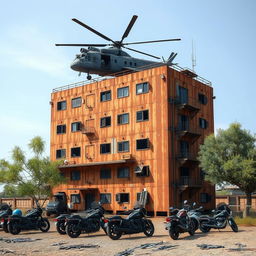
x,y
90,101
90,151
182,94
89,198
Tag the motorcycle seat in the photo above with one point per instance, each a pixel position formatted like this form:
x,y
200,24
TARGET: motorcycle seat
x,y
116,218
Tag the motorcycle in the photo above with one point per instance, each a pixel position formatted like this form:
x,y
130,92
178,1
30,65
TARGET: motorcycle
x,y
5,212
61,223
92,222
136,222
195,214
222,217
179,222
33,220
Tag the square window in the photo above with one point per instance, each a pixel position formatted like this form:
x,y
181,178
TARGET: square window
x,y
75,198
76,126
76,102
142,115
123,92
105,198
60,153
142,171
142,88
105,96
61,129
202,98
142,144
123,118
75,175
105,148
123,197
123,172
75,152
205,198
105,173
62,105
105,121
123,146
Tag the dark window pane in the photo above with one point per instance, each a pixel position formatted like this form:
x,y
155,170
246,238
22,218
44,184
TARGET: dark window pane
x,y
75,152
105,121
76,102
142,88
60,153
142,115
122,92
202,98
105,148
123,197
61,129
183,123
75,198
142,144
105,173
123,119
123,146
203,123
123,172
184,148
61,105
75,175
182,94
105,96
76,126
184,171
105,198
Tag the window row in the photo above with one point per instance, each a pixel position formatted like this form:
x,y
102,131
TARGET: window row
x,y
106,198
122,92
122,172
105,148
141,116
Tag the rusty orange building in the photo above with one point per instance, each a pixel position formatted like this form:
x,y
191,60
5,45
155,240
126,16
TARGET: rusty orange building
x,y
135,131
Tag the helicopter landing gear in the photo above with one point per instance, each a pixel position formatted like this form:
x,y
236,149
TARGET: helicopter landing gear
x,y
89,77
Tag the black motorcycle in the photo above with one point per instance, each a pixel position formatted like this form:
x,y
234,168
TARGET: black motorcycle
x,y
179,222
5,212
222,216
91,223
61,223
135,222
33,220
195,214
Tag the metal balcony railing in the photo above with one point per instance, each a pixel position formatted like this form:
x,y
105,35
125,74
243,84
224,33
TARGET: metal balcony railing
x,y
189,104
185,131
185,157
189,181
88,130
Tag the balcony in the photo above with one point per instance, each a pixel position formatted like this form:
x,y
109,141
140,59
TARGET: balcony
x,y
87,130
186,133
189,182
190,105
187,158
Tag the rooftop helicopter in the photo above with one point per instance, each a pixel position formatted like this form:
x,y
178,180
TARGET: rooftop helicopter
x,y
109,61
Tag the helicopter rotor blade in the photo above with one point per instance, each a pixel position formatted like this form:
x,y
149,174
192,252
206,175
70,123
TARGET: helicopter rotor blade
x,y
154,41
97,45
129,27
141,52
92,30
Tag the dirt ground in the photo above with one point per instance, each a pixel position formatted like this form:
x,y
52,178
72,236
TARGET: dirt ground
x,y
186,245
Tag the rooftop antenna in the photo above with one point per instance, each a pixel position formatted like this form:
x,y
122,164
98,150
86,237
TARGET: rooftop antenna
x,y
193,56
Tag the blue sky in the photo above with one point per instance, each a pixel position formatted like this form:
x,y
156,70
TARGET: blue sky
x,y
31,66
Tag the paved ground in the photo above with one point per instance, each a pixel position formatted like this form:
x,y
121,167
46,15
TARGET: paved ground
x,y
186,245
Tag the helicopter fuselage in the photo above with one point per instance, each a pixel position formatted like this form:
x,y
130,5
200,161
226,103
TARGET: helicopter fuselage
x,y
106,61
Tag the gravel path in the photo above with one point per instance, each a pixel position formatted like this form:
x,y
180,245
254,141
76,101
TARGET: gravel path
x,y
51,242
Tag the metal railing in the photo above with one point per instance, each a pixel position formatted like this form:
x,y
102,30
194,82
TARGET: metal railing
x,y
88,130
187,155
184,102
153,65
189,181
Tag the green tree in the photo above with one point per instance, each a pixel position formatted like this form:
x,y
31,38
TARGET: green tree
x,y
230,157
34,177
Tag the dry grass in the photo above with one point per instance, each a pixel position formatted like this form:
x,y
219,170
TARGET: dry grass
x,y
248,221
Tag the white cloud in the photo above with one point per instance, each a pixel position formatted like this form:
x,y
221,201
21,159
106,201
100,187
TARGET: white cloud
x,y
31,48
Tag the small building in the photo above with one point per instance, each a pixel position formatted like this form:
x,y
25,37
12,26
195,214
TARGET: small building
x,y
136,131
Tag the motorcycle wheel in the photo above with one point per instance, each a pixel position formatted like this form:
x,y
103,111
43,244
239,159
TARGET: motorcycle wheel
x,y
44,225
5,228
174,234
192,228
60,226
203,228
13,228
233,225
195,223
112,233
73,230
149,228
